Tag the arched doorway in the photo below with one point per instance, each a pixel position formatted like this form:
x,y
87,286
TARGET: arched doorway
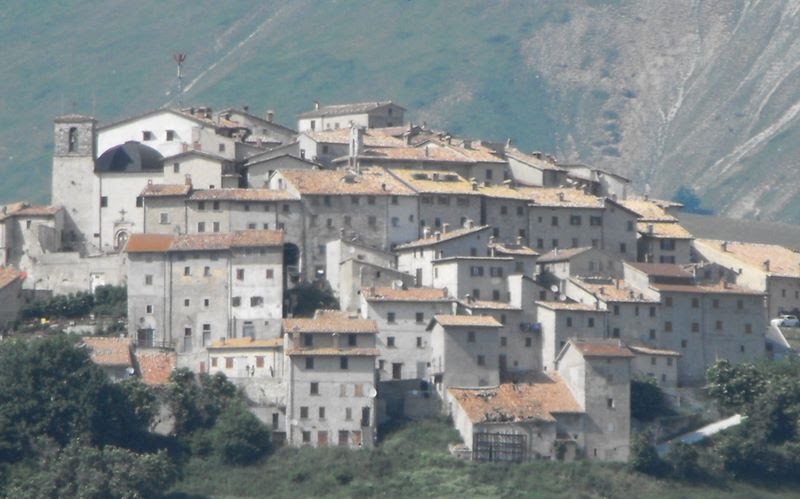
x,y
120,240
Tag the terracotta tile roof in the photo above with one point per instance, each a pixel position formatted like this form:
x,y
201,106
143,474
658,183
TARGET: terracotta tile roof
x,y
649,210
513,249
782,261
149,243
601,348
520,193
330,321
421,294
373,181
9,275
568,305
671,230
155,366
661,269
242,195
358,352
373,137
562,255
518,402
612,290
533,161
466,321
488,305
342,109
228,240
25,209
447,236
429,154
109,351
435,182
165,190
236,343
718,288
645,350
565,198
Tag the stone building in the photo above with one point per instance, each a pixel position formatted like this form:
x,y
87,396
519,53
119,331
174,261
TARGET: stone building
x,y
662,239
331,380
27,232
560,321
11,299
376,114
185,291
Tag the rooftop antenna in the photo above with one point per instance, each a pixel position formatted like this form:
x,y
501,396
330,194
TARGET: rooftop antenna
x,y
179,57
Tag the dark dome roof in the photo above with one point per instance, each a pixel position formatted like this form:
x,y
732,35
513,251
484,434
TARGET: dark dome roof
x,y
129,157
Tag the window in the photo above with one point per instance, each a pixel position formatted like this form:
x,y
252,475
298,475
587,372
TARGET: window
x,y
695,327
206,302
718,325
574,242
540,243
216,226
575,220
308,340
495,295
390,317
630,225
669,361
695,303
569,321
186,302
343,363
228,362
103,201
329,223
239,274
213,362
555,243
615,333
314,388
72,140
348,413
306,436
481,360
652,311
595,220
270,274
623,248
652,361
187,271
684,343
668,301
476,271
397,370
504,210
715,303
326,200
503,341
148,309
395,222
322,413
616,309
610,403
372,220
309,362
215,205
739,304
256,301
520,211
496,271
344,435
221,148
471,337
419,341
668,327
148,280
236,301
163,218
528,342
652,334
201,226
304,413
667,244
590,321
170,135
554,221
147,135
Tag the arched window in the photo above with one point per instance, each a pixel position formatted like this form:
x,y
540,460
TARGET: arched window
x,y
73,139
120,240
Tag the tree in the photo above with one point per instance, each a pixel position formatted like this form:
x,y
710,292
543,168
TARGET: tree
x,y
306,298
238,437
683,461
52,389
647,399
83,471
644,457
196,401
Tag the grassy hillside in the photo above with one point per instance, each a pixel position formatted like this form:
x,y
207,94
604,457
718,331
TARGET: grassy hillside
x,y
413,462
669,94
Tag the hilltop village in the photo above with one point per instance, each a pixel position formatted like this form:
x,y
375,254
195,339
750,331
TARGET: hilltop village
x,y
516,294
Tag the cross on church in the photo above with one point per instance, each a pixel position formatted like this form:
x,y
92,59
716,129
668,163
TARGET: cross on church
x,y
122,213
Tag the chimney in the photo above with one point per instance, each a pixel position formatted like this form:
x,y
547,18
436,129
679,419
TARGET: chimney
x,y
270,115
426,151
536,154
474,185
766,265
187,180
519,241
650,229
469,224
602,290
435,175
383,187
426,232
341,233
561,196
646,197
445,226
437,235
246,108
492,240
724,245
467,144
316,104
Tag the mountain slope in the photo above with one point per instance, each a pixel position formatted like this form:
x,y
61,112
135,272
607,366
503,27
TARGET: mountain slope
x,y
681,93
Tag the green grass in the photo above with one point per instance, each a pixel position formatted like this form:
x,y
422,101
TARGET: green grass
x,y
413,462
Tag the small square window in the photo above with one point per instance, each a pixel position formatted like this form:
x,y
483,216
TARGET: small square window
x,y
343,362
187,271
239,274
148,280
309,362
471,336
352,340
481,360
314,388
304,413
148,309
390,317
420,317
390,342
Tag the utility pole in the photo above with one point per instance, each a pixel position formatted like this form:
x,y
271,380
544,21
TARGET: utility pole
x,y
179,57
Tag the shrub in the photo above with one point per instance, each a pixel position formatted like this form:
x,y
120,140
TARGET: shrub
x,y
644,457
238,436
647,399
683,461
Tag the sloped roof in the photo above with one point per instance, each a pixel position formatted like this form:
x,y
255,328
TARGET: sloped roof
x,y
371,181
330,321
562,255
373,137
343,109
159,243
670,230
466,320
109,351
601,348
659,352
568,305
246,342
488,305
782,260
421,294
9,275
661,269
235,194
155,366
129,157
130,119
718,288
513,249
612,290
149,243
435,181
446,236
538,400
531,160
430,153
166,190
648,210
347,352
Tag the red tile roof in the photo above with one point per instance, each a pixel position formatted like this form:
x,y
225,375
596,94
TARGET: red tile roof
x,y
644,350
246,342
409,294
344,352
166,190
149,243
155,366
601,348
159,243
518,402
371,181
109,351
9,275
330,321
466,321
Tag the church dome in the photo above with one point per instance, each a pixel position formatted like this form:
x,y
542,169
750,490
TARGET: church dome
x,y
131,156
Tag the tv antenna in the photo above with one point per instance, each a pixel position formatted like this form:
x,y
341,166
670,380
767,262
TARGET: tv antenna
x,y
179,57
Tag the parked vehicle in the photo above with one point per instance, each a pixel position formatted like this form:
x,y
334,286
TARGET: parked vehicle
x,y
786,321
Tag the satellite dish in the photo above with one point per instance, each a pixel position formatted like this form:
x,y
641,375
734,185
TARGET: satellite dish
x,y
554,288
372,393
130,371
562,297
294,422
